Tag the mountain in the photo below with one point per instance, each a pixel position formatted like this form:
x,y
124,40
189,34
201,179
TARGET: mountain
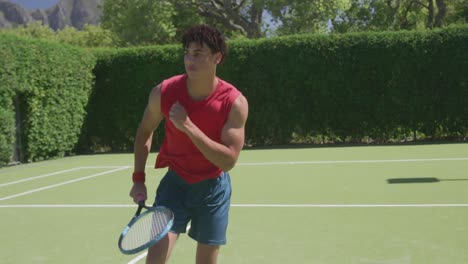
x,y
74,13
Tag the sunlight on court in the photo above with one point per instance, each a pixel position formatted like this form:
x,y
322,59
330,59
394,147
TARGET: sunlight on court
x,y
381,204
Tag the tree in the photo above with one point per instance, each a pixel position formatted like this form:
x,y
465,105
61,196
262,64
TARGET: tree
x,y
148,22
34,30
396,14
186,16
244,16
90,36
457,13
145,22
140,22
303,16
134,20
435,13
288,16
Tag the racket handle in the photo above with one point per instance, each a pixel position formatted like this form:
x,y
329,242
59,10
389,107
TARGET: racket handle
x,y
141,198
141,203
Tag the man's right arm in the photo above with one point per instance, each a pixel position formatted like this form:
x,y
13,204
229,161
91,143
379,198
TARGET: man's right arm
x,y
152,117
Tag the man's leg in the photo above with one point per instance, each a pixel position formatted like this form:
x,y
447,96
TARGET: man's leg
x,y
207,254
161,251
169,194
211,199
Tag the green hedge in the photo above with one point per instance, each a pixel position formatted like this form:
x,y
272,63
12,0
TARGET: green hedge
x,y
124,79
7,128
352,87
382,86
7,113
53,83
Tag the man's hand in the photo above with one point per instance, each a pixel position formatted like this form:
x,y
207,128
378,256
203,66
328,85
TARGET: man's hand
x,y
138,188
178,116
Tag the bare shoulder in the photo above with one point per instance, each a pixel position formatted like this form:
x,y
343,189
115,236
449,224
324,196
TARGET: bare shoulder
x,y
239,111
241,102
156,92
154,101
152,115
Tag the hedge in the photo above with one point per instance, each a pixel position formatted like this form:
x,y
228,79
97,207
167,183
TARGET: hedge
x,y
351,87
322,88
52,83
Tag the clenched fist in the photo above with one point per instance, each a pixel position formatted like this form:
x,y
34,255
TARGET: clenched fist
x,y
179,117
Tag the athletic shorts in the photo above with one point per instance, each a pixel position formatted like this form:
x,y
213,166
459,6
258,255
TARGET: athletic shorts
x,y
206,204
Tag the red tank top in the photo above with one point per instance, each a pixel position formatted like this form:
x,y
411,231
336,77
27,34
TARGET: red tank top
x,y
209,115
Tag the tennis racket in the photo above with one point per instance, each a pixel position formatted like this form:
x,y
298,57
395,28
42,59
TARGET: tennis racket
x,y
145,229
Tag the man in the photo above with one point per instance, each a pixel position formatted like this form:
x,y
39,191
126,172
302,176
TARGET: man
x,y
204,134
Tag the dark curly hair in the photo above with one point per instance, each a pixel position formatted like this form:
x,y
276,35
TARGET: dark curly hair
x,y
204,34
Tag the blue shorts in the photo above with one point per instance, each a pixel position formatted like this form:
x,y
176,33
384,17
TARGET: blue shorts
x,y
206,204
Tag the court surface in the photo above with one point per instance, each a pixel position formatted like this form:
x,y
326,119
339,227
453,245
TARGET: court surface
x,y
332,205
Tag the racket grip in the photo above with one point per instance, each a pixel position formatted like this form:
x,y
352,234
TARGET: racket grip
x,y
141,198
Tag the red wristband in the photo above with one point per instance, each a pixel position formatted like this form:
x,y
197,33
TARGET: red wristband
x,y
138,176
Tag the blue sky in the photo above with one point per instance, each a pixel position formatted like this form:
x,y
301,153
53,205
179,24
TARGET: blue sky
x,y
34,4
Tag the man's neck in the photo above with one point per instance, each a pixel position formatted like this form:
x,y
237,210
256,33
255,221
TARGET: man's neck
x,y
199,89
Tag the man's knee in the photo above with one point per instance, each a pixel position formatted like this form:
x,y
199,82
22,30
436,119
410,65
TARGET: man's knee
x,y
160,252
207,254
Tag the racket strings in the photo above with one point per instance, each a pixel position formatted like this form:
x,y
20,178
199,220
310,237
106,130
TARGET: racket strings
x,y
147,228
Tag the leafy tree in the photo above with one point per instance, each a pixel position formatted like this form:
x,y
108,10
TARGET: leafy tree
x,y
143,22
398,14
186,15
302,16
140,22
34,30
157,22
457,12
147,22
243,16
90,36
287,16
97,36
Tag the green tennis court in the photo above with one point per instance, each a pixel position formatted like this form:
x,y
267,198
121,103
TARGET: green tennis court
x,y
334,205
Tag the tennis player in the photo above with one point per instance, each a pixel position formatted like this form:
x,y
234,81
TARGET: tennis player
x,y
204,134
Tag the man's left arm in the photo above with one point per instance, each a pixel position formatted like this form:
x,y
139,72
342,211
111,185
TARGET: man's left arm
x,y
223,155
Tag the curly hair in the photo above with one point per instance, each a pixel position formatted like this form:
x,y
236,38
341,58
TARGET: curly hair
x,y
205,34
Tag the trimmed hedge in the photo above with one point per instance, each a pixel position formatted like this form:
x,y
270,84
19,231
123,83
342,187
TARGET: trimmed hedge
x,y
351,87
124,79
53,83
382,86
7,114
320,88
7,128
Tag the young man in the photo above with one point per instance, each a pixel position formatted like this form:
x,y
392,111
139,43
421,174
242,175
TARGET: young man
x,y
204,134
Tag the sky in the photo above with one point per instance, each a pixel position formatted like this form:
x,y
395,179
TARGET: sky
x,y
35,4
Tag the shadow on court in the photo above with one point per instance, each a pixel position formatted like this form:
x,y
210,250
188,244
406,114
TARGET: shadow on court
x,y
420,180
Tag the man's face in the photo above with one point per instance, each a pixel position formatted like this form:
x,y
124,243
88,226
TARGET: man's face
x,y
199,60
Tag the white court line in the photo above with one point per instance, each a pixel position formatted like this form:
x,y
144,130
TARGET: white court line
x,y
68,206
240,205
105,167
314,162
61,184
348,161
59,172
38,177
140,257
347,205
